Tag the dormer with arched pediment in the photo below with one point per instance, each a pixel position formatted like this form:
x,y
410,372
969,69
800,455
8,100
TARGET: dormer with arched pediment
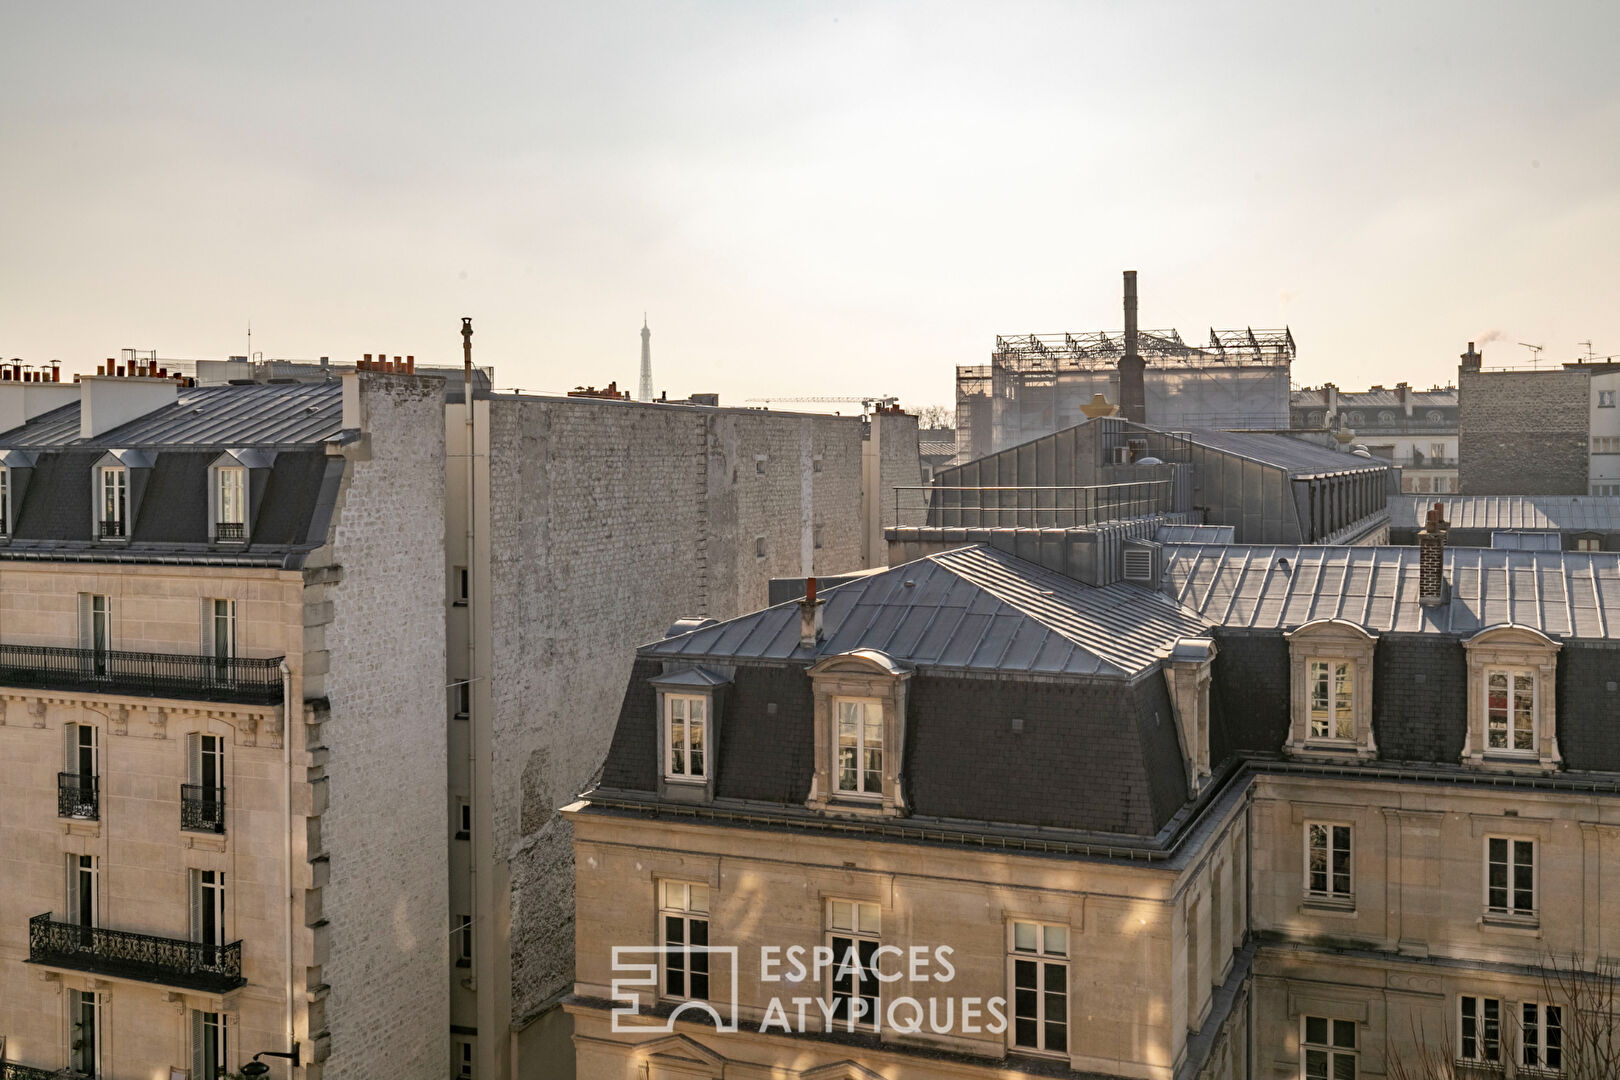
x,y
860,719
1331,690
1512,700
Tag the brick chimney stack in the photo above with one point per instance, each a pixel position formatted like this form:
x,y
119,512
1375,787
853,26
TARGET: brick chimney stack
x,y
810,616
1432,558
1471,360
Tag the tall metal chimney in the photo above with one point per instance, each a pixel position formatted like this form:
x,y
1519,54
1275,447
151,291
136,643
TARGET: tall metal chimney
x,y
1132,392
645,391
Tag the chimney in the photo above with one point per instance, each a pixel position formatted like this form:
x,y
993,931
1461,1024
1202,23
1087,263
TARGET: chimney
x,y
1432,558
1404,392
108,402
1471,360
810,616
1132,393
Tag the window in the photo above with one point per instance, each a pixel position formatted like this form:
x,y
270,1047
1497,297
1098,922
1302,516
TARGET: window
x,y
1437,451
1479,1030
859,765
203,800
461,932
1040,983
1327,861
759,464
461,587
1588,543
815,463
759,547
817,537
1606,489
463,819
1510,712
1605,399
1606,444
1328,1048
464,1060
219,633
113,502
81,891
1442,485
207,1046
1510,876
208,913
79,785
1332,697
686,748
1541,1031
853,983
230,503
463,699
95,629
684,911
84,1038
1386,417
5,501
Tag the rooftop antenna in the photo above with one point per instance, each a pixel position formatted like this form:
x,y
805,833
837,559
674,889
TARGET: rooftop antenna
x,y
1535,353
250,341
1589,357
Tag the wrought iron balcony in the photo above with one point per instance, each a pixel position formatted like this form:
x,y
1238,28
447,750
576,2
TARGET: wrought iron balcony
x,y
189,965
11,1070
78,796
144,674
202,809
230,530
112,530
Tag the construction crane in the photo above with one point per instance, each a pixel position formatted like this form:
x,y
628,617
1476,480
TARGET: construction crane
x,y
866,403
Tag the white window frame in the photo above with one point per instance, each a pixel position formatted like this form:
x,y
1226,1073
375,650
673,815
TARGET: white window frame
x,y
201,1067
1533,1043
86,1059
202,750
687,902
225,513
1588,543
1330,894
852,926
865,743
114,496
207,889
1512,910
6,523
83,890
95,622
1605,399
1042,954
684,726
464,1059
1512,674
1336,719
1482,1039
219,611
462,931
1330,1049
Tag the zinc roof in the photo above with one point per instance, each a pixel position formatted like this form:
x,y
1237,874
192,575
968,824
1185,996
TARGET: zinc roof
x,y
1285,452
1563,594
1567,513
972,609
264,414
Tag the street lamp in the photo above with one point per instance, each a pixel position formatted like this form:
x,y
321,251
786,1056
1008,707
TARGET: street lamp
x,y
257,1068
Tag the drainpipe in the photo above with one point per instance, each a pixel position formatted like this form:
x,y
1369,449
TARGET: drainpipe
x,y
286,841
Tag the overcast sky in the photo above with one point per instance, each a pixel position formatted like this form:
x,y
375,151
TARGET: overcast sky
x,y
806,199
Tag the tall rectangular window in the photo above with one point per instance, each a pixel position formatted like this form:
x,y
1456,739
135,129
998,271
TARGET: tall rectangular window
x,y
81,891
230,501
220,631
1479,1028
1327,861
684,914
1328,1048
859,767
853,929
1332,690
5,501
1510,711
1040,986
84,1035
207,1046
1541,1036
462,931
686,748
208,913
95,629
1510,876
464,1060
202,802
114,501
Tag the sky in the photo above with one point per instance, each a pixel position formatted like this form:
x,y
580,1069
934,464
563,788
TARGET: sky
x,y
806,200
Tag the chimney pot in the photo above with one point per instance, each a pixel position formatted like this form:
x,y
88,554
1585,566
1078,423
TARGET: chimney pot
x,y
810,616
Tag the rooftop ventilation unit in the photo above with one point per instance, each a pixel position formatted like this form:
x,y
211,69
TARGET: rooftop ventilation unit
x,y
1142,562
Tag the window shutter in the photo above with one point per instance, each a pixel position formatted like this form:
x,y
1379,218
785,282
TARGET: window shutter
x,y
86,625
194,758
196,904
206,627
199,1046
72,889
70,748
220,937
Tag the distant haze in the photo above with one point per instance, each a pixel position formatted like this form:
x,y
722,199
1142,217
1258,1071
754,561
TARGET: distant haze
x,y
806,199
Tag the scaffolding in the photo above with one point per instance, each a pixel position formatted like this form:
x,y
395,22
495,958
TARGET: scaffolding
x,y
1037,383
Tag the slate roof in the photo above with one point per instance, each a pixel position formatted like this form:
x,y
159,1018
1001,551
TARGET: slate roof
x,y
204,417
1562,594
1298,457
1566,513
971,609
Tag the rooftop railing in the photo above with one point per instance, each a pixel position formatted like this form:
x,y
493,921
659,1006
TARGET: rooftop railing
x,y
190,965
11,1070
143,674
1039,507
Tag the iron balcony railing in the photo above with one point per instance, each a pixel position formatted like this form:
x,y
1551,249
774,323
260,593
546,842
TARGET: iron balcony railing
x,y
144,674
190,965
11,1070
78,796
202,809
230,530
112,530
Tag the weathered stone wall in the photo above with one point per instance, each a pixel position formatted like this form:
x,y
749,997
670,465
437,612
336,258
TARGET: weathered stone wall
x,y
385,908
607,522
1522,433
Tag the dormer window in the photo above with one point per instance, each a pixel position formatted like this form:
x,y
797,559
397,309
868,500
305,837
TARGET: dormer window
x,y
5,501
860,708
1512,676
1331,704
686,718
113,502
230,502
690,703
